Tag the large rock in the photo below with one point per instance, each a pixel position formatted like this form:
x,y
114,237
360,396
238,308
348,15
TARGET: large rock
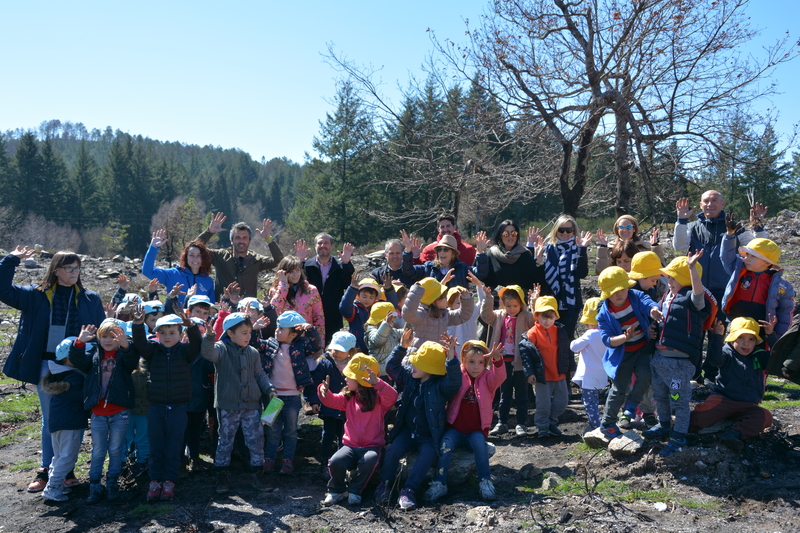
x,y
462,466
596,439
628,444
481,516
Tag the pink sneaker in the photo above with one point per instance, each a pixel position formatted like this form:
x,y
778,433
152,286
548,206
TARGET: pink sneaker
x,y
40,481
168,491
154,491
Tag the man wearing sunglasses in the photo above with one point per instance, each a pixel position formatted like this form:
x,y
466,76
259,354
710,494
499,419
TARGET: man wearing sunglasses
x,y
446,224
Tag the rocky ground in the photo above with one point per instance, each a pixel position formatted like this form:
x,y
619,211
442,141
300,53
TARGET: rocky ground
x,y
560,484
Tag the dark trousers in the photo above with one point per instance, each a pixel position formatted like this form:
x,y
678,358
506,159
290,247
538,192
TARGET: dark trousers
x,y
332,433
514,385
166,427
401,445
364,460
708,370
194,428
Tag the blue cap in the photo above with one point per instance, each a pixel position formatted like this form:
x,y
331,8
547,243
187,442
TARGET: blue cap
x,y
233,319
121,324
130,297
62,350
343,341
169,320
290,319
251,302
198,299
153,306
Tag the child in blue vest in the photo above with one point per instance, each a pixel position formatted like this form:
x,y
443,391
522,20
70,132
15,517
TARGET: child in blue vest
x,y
357,301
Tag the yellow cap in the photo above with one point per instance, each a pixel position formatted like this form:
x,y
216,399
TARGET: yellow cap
x,y
453,290
515,288
369,283
613,279
645,265
430,358
474,344
589,315
763,249
546,303
378,312
678,269
357,368
433,289
742,325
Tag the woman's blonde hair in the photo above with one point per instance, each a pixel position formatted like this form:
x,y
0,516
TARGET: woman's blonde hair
x,y
552,238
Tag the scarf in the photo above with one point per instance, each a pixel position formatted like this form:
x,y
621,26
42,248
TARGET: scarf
x,y
508,257
560,266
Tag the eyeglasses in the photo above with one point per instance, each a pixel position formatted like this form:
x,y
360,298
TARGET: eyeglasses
x,y
566,230
625,226
510,234
70,270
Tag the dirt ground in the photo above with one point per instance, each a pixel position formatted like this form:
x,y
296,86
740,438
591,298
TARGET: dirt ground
x,y
704,488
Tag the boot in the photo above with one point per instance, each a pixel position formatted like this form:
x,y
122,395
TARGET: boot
x,y
112,486
95,492
223,484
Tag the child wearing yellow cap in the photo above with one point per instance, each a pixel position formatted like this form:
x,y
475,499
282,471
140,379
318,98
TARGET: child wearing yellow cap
x,y
756,288
365,402
590,376
357,301
382,333
739,387
431,381
426,309
623,319
507,326
548,364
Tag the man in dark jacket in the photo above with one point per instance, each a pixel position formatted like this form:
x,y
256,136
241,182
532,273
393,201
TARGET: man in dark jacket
x,y
330,277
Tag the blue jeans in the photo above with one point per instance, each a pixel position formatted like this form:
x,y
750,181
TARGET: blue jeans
x,y
108,436
401,445
284,426
137,434
451,440
166,426
44,405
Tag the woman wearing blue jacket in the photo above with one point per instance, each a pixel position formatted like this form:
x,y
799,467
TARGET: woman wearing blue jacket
x,y
52,310
194,269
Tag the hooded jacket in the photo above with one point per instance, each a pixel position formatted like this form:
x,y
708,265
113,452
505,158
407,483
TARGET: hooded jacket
x,y
169,378
66,405
240,380
120,389
177,274
485,386
610,327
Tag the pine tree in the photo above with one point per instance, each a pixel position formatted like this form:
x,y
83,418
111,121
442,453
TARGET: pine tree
x,y
30,178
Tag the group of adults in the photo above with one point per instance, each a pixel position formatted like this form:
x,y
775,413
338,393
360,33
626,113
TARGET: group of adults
x,y
59,305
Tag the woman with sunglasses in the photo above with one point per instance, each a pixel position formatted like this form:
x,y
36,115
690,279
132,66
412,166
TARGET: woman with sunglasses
x,y
57,308
511,263
566,263
626,228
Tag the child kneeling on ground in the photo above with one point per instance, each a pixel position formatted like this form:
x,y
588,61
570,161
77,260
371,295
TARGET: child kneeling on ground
x,y
366,400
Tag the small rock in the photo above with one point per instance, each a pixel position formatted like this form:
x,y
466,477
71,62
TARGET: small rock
x,y
765,474
628,444
529,471
31,263
660,506
481,516
596,439
701,465
117,258
551,482
491,449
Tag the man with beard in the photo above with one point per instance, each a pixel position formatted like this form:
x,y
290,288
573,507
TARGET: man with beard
x,y
238,263
446,225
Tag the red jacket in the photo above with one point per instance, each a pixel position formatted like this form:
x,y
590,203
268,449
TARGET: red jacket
x,y
363,429
485,386
466,252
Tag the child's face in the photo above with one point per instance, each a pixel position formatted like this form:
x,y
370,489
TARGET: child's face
x,y
619,297
455,304
294,276
745,344
352,384
240,336
648,283
254,313
674,286
441,302
285,335
338,356
169,335
416,373
755,264
109,343
367,297
512,306
475,364
152,318
546,320
624,262
200,311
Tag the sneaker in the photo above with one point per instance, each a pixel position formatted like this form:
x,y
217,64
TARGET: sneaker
x,y
138,469
435,491
286,467
487,490
732,439
55,494
624,421
407,501
258,482
650,419
168,491
612,431
521,430
223,482
40,481
383,493
499,429
333,498
269,465
657,432
153,492
553,430
543,433
674,445
354,499
95,493
71,480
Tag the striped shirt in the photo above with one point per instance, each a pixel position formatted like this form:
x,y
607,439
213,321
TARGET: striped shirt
x,y
627,319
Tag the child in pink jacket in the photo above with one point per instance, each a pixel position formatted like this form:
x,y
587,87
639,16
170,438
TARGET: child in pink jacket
x,y
469,415
365,401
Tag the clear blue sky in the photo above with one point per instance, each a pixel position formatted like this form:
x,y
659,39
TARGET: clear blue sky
x,y
248,75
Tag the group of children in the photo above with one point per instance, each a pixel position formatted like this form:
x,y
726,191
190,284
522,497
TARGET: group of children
x,y
398,344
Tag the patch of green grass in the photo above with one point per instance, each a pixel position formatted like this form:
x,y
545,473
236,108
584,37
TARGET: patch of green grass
x,y
24,466
147,510
324,529
19,407
611,489
694,504
83,463
582,449
25,432
315,422
781,393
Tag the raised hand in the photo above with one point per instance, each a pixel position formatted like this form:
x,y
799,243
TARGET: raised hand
x,y
325,386
192,291
757,214
233,293
407,241
266,230
176,290
138,314
683,208
23,253
769,324
215,226
654,237
693,257
730,223
449,342
474,279
533,234
261,323
87,333
121,338
122,281
152,286
159,238
585,238
497,352
346,253
416,249
110,309
282,277
449,276
534,293
387,281
718,328
300,249
407,337
481,242
655,314
372,378
178,310
602,240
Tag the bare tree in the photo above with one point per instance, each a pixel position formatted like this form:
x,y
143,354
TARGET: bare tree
x,y
628,74
183,220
